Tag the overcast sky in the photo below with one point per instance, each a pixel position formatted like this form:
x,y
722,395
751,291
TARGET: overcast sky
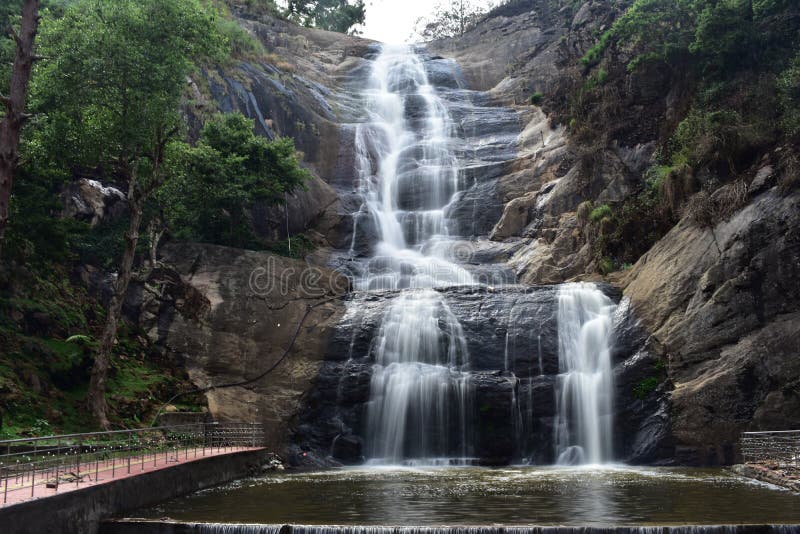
x,y
392,21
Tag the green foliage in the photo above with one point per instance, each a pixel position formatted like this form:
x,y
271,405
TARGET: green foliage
x,y
218,181
789,97
644,388
105,111
605,265
36,234
48,327
600,212
625,232
599,78
716,37
332,15
595,53
301,246
238,40
703,137
536,98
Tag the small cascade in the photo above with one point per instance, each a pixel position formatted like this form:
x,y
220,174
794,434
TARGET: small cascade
x,y
408,175
584,386
420,390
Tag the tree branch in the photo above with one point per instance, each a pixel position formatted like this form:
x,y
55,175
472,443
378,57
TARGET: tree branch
x,y
15,35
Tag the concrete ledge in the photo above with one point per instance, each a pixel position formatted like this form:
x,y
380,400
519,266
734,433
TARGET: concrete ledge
x,y
80,511
133,526
770,476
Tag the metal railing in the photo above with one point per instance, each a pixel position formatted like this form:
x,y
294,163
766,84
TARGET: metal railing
x,y
781,448
30,465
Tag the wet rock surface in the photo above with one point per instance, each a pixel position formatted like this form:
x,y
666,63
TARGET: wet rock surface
x,y
512,340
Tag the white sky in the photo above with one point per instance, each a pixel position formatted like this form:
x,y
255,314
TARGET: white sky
x,y
392,21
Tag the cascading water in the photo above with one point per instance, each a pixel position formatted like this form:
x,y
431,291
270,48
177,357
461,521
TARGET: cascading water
x,y
408,172
584,387
408,175
429,401
419,393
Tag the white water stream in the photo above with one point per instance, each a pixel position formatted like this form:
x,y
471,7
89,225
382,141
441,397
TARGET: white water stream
x,y
585,384
420,396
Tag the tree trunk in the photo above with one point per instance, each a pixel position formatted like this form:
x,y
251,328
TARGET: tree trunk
x,y
138,193
102,361
15,117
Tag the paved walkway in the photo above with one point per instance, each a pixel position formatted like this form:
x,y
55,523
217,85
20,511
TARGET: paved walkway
x,y
15,490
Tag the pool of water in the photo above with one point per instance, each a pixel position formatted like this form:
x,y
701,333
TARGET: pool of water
x,y
481,496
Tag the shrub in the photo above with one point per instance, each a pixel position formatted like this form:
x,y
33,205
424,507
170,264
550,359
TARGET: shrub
x,y
700,210
605,265
644,388
707,210
239,41
536,98
601,212
595,53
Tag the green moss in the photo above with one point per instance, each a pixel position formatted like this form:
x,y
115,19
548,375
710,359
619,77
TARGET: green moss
x,y
644,388
536,98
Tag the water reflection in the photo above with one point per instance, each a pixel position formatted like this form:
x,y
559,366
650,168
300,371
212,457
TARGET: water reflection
x,y
475,496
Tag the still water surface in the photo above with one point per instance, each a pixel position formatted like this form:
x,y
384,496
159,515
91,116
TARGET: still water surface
x,y
482,496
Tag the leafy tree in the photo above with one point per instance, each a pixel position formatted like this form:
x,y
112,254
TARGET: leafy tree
x,y
450,18
14,116
111,93
217,181
332,15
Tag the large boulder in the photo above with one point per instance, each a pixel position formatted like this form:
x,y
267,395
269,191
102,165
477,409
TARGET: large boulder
x,y
255,311
722,304
91,201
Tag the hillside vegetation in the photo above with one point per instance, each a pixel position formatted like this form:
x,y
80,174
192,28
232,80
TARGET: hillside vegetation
x,y
733,69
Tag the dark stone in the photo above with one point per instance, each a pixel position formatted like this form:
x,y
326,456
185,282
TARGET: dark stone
x,y
493,426
348,449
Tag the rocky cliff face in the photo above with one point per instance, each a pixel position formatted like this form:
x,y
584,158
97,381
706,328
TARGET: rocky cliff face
x,y
718,302
231,315
299,90
706,348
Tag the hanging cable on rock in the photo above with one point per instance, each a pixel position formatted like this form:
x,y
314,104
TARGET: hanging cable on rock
x,y
309,309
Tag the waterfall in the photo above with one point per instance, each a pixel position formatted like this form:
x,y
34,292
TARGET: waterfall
x,y
423,389
408,175
419,394
584,386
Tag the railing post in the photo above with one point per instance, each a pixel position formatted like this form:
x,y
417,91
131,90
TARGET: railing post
x,y
78,463
33,467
